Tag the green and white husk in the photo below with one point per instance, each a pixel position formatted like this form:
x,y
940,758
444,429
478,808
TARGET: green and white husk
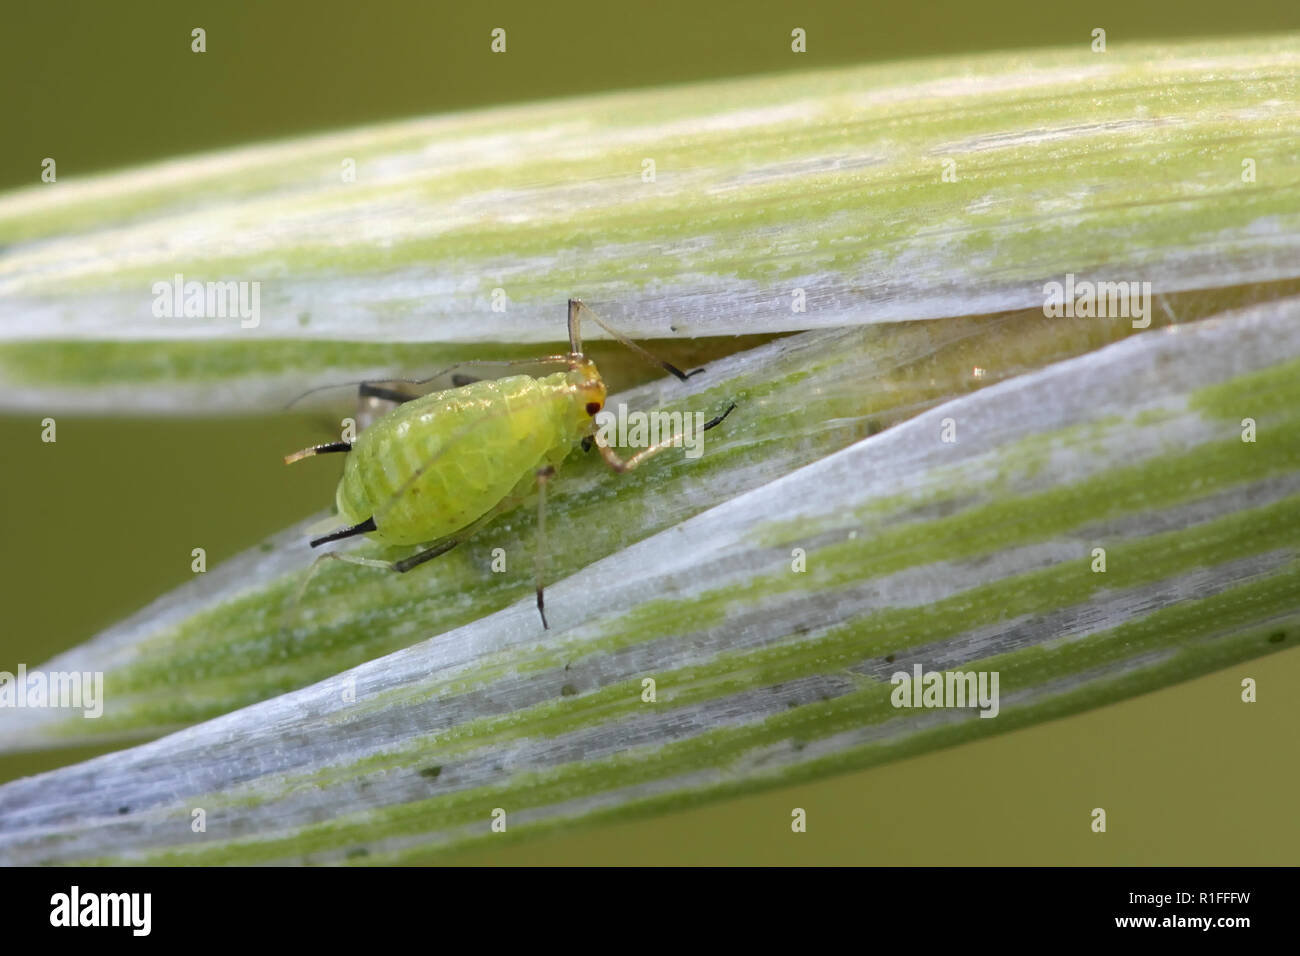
x,y
1122,165
974,554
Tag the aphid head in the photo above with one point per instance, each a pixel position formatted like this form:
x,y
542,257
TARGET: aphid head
x,y
588,393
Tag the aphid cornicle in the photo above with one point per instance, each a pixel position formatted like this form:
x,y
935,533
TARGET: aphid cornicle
x,y
441,466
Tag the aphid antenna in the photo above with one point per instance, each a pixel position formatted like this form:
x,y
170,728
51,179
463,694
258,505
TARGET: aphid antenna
x,y
578,310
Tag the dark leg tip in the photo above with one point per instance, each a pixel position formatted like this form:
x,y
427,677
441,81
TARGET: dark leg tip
x,y
719,419
677,373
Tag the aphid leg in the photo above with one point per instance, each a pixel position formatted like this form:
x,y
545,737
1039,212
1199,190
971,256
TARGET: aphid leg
x,y
311,573
441,546
428,554
621,465
317,450
717,419
544,475
575,325
380,388
376,390
578,310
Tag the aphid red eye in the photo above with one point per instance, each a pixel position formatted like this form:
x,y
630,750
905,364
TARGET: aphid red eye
x,y
593,408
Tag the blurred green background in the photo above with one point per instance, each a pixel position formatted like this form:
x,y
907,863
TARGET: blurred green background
x,y
102,522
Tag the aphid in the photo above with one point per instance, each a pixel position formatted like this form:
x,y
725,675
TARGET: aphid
x,y
439,467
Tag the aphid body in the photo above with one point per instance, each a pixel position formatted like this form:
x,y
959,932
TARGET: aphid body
x,y
488,440
438,467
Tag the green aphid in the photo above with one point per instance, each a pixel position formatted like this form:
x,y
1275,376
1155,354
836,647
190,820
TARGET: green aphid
x,y
439,467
